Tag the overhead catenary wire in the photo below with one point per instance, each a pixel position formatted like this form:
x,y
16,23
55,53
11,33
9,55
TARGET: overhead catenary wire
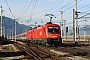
x,y
48,6
86,11
68,17
85,6
65,6
61,7
23,8
34,2
56,11
12,16
68,3
84,15
47,11
26,9
43,17
67,9
71,7
9,8
33,9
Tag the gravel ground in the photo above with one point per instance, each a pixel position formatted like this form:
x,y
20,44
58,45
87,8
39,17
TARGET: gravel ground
x,y
72,52
9,52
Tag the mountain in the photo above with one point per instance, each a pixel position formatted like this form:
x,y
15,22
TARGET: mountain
x,y
8,26
82,30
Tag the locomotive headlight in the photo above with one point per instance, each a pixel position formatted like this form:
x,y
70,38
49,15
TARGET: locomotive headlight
x,y
47,35
54,36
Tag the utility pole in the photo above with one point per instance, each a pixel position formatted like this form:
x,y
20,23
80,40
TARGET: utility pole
x,y
84,29
27,24
15,29
61,23
73,25
64,28
1,21
4,31
66,31
12,31
89,30
76,24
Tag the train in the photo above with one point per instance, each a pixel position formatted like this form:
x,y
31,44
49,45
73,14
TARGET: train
x,y
48,34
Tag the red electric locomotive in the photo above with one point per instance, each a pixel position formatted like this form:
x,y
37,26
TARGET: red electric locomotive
x,y
46,34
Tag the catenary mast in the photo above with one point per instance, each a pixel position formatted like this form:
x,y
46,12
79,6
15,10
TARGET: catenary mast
x,y
1,21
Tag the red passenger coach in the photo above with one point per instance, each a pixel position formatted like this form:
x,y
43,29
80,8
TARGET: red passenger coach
x,y
47,34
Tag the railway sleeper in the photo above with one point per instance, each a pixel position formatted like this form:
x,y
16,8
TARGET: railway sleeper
x,y
29,52
81,53
42,54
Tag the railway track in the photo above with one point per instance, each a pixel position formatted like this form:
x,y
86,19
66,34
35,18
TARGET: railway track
x,y
72,51
41,52
36,53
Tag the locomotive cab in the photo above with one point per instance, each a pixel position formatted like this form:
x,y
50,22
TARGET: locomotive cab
x,y
53,29
53,34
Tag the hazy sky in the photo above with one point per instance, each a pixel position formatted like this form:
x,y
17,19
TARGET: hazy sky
x,y
35,10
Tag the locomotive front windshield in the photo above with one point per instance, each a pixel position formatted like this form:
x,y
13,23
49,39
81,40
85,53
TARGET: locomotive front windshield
x,y
53,29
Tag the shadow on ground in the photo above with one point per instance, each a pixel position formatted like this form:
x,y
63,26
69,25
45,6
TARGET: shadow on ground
x,y
6,42
11,54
